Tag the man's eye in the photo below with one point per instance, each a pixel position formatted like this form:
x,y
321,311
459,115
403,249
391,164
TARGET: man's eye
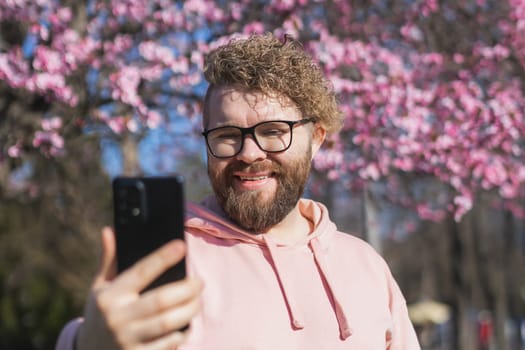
x,y
275,132
225,135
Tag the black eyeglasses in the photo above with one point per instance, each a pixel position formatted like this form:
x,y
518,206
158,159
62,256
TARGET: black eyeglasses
x,y
271,136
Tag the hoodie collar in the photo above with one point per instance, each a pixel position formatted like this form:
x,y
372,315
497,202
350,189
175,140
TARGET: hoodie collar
x,y
210,217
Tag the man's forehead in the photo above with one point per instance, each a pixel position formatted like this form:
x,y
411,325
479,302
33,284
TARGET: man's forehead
x,y
253,98
232,105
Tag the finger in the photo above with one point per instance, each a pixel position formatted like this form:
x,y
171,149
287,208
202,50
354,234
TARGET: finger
x,y
108,263
169,321
161,299
143,272
169,342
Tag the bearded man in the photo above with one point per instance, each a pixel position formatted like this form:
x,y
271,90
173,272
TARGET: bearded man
x,y
267,269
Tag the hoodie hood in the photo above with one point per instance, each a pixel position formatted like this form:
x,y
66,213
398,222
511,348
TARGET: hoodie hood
x,y
209,219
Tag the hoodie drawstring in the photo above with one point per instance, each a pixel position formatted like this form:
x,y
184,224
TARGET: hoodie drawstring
x,y
283,281
344,328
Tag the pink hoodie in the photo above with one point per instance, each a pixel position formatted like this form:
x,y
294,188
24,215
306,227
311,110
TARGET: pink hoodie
x,y
330,291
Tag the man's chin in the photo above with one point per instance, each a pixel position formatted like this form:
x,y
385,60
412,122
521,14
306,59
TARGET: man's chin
x,y
252,210
257,197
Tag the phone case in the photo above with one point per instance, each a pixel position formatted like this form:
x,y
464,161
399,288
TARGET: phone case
x,y
148,212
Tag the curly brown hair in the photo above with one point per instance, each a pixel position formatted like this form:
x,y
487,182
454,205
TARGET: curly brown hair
x,y
265,64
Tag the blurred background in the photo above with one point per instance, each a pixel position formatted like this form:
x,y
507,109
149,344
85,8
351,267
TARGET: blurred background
x,y
429,167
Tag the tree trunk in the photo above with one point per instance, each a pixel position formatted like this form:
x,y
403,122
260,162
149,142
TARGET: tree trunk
x,y
500,266
466,290
130,155
371,220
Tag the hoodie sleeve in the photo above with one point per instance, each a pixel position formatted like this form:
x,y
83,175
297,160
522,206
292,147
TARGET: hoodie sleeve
x,y
66,339
403,335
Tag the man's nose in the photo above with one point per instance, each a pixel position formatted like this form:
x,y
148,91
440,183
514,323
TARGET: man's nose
x,y
250,151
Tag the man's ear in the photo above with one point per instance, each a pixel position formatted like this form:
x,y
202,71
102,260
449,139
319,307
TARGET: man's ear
x,y
318,137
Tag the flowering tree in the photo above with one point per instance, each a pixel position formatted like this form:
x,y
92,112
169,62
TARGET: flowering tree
x,y
115,67
419,102
427,88
432,91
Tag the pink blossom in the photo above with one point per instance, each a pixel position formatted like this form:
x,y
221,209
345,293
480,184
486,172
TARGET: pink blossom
x,y
47,60
333,175
49,124
157,53
236,12
43,32
405,164
216,14
254,28
456,182
197,58
282,5
198,6
154,119
151,73
458,58
126,82
185,82
170,17
371,171
147,50
15,151
131,9
47,81
50,144
293,24
132,125
13,69
65,14
180,65
509,191
117,124
412,32
444,142
495,173
327,159
463,204
122,42
426,213
182,109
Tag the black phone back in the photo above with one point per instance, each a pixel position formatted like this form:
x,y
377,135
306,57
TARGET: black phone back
x,y
148,212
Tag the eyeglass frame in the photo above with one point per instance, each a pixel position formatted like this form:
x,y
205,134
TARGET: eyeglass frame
x,y
251,131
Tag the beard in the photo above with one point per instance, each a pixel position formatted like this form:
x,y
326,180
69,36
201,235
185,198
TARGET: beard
x,y
249,209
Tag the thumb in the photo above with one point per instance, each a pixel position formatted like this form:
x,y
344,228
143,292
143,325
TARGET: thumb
x,y
108,263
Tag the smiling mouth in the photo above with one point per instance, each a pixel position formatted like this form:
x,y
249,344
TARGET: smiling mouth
x,y
253,178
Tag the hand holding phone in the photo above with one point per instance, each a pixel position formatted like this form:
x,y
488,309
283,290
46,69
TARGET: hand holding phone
x,y
126,311
118,315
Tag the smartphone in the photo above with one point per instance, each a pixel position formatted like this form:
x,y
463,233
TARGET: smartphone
x,y
148,212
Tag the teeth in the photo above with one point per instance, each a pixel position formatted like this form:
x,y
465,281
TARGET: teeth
x,y
247,178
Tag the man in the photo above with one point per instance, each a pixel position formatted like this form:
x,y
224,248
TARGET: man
x,y
268,269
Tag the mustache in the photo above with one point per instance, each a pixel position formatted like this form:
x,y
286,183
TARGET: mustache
x,y
261,166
